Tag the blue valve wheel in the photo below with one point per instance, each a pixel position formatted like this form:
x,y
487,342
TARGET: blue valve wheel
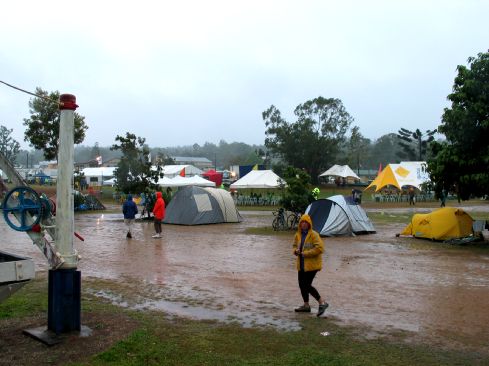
x,y
22,208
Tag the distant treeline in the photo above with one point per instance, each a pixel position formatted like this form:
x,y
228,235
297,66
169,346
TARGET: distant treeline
x,y
384,150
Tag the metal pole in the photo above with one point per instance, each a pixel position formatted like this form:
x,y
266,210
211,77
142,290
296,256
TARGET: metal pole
x,y
64,292
64,189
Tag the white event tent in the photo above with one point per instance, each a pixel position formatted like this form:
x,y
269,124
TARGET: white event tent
x,y
343,171
179,181
258,179
96,176
406,173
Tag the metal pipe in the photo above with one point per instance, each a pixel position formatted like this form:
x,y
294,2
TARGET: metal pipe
x,y
65,224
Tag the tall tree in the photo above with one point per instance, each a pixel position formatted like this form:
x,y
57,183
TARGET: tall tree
x,y
312,142
358,148
9,147
414,146
134,173
461,162
43,126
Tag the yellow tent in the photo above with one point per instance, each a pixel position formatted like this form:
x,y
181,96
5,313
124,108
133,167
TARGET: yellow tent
x,y
406,173
442,224
385,178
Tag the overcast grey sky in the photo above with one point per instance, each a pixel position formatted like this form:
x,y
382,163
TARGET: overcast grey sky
x,y
185,72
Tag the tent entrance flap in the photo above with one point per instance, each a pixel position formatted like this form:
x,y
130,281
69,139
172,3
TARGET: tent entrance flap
x,y
203,202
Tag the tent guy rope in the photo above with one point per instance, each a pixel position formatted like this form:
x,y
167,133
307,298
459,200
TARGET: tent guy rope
x,y
28,92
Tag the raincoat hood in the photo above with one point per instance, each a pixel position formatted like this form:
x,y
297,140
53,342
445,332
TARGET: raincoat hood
x,y
158,195
129,197
306,218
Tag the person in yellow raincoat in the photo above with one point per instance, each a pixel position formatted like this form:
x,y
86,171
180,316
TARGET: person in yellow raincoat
x,y
308,248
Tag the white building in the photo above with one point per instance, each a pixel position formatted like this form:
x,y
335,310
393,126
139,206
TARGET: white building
x,y
96,176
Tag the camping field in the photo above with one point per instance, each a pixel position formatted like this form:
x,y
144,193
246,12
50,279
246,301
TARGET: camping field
x,y
224,294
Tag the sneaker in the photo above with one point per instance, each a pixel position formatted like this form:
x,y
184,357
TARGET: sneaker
x,y
303,309
322,308
129,236
156,236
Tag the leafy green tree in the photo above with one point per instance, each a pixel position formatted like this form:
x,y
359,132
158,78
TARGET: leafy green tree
x,y
43,126
460,163
414,146
358,149
297,195
9,147
134,173
313,141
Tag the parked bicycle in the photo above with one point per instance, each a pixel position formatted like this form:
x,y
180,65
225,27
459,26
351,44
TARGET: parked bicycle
x,y
279,222
293,220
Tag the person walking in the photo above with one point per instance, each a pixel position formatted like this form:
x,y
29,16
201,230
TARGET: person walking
x,y
159,214
129,209
308,248
443,198
412,196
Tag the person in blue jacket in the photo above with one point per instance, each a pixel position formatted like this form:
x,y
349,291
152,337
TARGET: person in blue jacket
x,y
129,209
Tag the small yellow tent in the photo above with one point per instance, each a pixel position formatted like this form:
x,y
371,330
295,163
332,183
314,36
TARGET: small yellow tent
x,y
442,224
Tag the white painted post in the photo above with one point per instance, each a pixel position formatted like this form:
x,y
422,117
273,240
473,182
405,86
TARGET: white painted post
x,y
65,224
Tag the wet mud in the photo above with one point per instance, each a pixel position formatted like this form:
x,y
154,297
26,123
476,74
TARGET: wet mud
x,y
429,292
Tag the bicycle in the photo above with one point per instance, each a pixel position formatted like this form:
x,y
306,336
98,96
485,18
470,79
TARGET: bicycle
x,y
293,220
279,222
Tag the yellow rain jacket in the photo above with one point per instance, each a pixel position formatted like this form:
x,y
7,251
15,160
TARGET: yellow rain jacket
x,y
312,250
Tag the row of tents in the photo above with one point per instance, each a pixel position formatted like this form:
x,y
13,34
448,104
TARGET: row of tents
x,y
406,173
411,173
334,216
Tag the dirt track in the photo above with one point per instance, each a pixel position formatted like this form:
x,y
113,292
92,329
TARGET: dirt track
x,y
435,293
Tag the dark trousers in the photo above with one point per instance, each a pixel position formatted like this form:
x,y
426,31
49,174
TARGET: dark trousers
x,y
305,284
158,226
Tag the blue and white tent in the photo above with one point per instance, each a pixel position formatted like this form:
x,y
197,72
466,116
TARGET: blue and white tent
x,y
339,216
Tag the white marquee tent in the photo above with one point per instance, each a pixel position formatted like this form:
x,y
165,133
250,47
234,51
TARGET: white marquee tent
x,y
179,181
406,173
343,171
96,176
258,179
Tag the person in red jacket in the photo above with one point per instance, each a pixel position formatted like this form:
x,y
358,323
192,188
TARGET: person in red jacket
x,y
159,214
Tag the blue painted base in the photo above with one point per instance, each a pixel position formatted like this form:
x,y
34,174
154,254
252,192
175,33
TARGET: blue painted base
x,y
64,300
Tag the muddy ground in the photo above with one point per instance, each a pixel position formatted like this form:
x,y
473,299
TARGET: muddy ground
x,y
431,292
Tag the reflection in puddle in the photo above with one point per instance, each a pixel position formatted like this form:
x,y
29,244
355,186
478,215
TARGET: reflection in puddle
x,y
245,318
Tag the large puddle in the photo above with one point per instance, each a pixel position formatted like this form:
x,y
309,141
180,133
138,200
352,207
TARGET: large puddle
x,y
433,292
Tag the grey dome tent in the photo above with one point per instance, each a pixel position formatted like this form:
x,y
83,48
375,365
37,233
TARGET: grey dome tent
x,y
339,215
194,205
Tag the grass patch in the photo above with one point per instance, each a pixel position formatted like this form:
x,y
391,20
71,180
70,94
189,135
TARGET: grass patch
x,y
29,300
382,217
185,342
257,208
